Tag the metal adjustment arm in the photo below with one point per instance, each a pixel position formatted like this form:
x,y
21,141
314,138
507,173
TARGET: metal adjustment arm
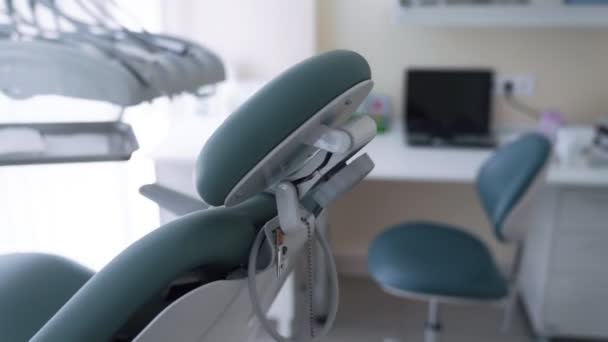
x,y
317,182
331,140
342,139
292,216
292,219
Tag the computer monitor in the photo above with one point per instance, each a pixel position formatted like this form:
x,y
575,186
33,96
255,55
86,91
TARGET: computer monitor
x,y
449,106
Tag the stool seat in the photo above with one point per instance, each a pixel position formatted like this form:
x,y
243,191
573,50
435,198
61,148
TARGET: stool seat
x,y
435,259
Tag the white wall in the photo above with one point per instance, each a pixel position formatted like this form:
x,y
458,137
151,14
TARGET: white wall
x,y
257,39
571,70
88,212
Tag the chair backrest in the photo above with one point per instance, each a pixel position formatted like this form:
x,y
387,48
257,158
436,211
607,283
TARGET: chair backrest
x,y
508,181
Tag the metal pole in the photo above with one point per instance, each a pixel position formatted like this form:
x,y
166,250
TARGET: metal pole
x,y
321,278
511,300
433,324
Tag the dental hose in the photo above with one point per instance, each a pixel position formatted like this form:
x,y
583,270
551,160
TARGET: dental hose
x,y
255,298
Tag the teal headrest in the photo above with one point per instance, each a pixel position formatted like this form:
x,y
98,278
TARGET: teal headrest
x,y
270,116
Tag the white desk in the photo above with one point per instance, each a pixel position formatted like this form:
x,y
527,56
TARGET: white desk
x,y
396,161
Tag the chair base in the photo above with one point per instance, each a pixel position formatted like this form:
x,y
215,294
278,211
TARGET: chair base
x,y
433,326
432,329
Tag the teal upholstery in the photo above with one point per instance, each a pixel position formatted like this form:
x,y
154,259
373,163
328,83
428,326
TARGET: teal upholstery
x,y
58,301
439,260
436,260
218,237
33,287
271,115
505,177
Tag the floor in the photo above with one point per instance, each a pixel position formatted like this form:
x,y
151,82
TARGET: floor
x,y
369,315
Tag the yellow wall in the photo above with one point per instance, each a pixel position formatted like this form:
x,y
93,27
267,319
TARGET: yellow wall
x,y
570,65
571,71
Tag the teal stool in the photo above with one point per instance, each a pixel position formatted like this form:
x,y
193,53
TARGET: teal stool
x,y
440,263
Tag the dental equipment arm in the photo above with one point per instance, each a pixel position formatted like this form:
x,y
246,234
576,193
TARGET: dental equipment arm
x,y
118,66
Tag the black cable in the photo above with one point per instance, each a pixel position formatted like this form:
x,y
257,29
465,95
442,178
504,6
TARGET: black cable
x,y
324,163
518,106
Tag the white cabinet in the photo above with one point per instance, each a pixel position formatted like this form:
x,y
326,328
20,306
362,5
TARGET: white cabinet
x,y
505,13
564,279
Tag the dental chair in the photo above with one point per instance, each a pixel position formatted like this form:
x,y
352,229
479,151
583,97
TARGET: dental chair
x,y
269,170
440,263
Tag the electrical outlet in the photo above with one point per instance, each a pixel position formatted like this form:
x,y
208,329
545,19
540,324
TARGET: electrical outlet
x,y
523,85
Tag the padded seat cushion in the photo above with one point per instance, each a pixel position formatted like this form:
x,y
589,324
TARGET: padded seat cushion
x,y
33,287
270,116
217,238
437,260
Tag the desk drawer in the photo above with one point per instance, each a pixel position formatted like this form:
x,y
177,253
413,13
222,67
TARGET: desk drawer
x,y
583,209
584,252
577,306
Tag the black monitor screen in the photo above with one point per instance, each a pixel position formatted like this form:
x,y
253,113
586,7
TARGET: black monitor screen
x,y
445,103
